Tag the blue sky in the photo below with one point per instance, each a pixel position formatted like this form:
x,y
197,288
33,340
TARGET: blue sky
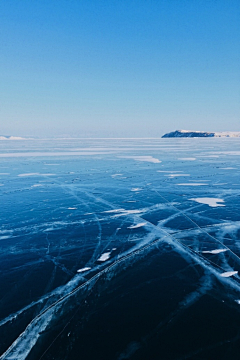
x,y
119,68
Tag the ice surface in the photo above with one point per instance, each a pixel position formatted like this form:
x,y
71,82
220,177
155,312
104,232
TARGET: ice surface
x,y
139,256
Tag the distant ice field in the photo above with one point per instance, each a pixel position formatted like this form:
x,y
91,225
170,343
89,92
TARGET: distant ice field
x,y
110,246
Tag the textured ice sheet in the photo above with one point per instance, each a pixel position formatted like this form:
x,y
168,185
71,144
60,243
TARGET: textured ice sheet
x,y
132,228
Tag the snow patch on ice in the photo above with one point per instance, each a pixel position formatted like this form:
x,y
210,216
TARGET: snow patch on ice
x,y
213,202
229,273
52,164
129,212
35,174
142,158
4,237
209,156
113,211
228,168
83,269
137,225
11,138
176,175
216,251
28,174
105,256
165,171
115,175
192,184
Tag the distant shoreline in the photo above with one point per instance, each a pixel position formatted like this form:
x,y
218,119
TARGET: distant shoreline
x,y
198,134
174,134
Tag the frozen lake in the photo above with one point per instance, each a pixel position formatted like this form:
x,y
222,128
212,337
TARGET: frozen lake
x,y
120,249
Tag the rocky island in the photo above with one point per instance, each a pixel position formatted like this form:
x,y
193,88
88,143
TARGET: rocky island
x,y
194,134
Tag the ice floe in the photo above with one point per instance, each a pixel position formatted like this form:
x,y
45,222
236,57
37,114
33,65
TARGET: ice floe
x,y
213,202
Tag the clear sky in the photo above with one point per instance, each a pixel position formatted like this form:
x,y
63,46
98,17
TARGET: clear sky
x,y
119,68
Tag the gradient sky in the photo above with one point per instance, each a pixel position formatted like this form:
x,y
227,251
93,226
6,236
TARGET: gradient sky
x,y
112,68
